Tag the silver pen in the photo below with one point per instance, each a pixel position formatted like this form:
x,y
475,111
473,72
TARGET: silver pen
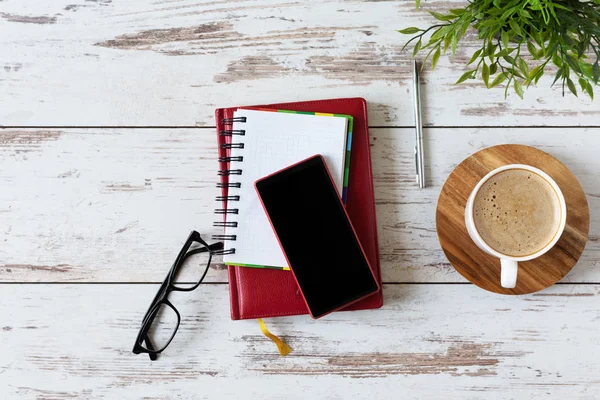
x,y
419,158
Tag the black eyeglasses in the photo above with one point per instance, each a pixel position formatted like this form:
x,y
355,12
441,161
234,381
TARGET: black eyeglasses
x,y
162,319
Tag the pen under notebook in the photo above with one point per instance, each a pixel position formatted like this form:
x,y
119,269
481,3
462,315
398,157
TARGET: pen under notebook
x,y
419,158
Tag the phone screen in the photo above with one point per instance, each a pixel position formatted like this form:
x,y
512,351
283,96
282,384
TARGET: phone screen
x,y
319,242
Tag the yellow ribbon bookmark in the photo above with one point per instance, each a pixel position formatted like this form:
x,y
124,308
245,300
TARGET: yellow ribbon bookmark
x,y
283,348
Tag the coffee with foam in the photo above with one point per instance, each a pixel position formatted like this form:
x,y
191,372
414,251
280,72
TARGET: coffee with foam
x,y
517,212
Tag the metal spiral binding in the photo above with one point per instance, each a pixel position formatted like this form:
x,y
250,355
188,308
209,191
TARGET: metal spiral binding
x,y
228,198
230,159
230,121
232,132
227,172
226,211
223,237
222,224
229,185
224,252
232,146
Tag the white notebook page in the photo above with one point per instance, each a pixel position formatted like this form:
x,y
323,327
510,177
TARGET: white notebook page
x,y
272,142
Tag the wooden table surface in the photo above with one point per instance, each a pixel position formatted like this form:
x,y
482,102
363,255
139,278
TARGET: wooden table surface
x,y
108,160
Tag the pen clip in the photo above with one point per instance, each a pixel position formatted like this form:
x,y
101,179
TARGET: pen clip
x,y
416,164
419,157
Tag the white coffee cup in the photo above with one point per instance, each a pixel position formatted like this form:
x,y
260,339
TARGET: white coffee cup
x,y
509,265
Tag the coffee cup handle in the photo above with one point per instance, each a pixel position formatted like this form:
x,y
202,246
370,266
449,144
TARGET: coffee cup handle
x,y
508,275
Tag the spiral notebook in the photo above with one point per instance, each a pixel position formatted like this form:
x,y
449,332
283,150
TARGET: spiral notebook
x,y
262,293
263,142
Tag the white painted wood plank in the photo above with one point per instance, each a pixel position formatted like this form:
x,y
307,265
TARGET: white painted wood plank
x,y
145,63
427,342
79,201
100,205
410,250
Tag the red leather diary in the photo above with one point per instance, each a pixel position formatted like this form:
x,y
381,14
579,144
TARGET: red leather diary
x,y
262,293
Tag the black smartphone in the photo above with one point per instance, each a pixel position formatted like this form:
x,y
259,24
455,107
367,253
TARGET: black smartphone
x,y
316,236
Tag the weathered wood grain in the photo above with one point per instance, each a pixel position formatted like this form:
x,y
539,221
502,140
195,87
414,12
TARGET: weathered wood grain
x,y
99,205
410,250
74,341
114,205
82,200
148,63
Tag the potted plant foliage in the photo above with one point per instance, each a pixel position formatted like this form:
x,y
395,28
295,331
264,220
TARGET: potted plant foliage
x,y
520,40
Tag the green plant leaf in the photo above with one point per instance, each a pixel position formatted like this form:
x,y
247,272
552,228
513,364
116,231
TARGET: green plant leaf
x,y
558,76
516,72
586,69
474,57
573,63
537,38
534,71
556,60
417,48
435,58
572,87
531,48
447,41
567,8
523,67
491,51
590,91
466,23
425,59
581,49
569,41
409,31
457,11
504,37
440,33
442,17
535,74
508,13
583,83
504,52
518,88
485,75
493,68
596,72
515,27
541,53
538,75
454,44
524,14
498,80
509,60
467,75
417,3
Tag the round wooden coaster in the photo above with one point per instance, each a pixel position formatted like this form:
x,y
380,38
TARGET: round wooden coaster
x,y
484,270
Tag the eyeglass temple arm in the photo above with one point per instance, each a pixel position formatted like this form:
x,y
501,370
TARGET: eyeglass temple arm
x,y
216,246
213,247
150,347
